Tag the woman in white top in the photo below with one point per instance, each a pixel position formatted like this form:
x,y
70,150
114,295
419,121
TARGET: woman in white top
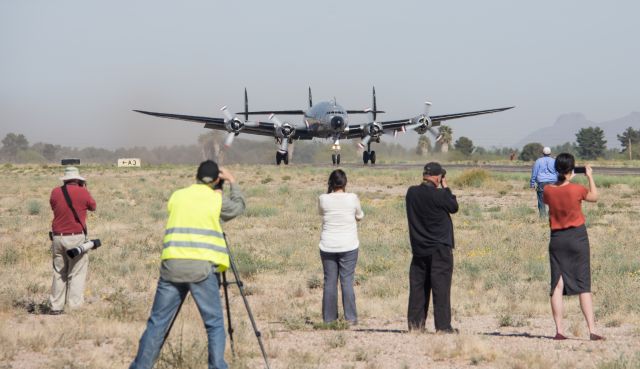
x,y
339,246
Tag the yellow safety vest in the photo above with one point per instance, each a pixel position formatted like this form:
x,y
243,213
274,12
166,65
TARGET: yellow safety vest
x,y
193,230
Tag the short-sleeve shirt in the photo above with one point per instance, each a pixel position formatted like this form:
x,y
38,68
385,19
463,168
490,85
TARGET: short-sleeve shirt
x,y
565,205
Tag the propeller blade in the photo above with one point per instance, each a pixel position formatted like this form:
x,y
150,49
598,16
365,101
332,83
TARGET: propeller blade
x,y
372,114
365,141
228,140
275,120
413,126
435,133
375,106
246,105
227,114
427,107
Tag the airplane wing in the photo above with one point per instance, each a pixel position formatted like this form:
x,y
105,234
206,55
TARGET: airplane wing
x,y
276,112
391,125
262,128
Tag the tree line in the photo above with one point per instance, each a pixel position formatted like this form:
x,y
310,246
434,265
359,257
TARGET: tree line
x,y
590,144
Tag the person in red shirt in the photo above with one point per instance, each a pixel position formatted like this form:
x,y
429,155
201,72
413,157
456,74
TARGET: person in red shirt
x,y
69,274
569,253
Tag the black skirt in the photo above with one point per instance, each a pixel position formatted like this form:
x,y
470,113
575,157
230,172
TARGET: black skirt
x,y
569,258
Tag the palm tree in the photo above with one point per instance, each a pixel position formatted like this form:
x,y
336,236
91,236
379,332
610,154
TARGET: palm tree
x,y
447,137
424,145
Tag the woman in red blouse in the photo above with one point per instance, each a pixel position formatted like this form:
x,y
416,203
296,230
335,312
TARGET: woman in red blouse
x,y
569,245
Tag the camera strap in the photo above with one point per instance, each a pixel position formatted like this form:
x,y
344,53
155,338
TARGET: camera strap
x,y
73,210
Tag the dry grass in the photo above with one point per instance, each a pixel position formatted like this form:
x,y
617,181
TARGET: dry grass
x,y
499,294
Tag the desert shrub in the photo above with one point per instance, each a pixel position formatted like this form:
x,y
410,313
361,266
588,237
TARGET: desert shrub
x,y
34,207
472,178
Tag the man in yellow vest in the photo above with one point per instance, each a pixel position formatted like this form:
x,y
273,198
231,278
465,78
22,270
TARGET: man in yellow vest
x,y
194,250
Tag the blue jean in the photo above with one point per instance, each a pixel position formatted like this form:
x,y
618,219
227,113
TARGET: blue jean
x,y
169,295
343,265
540,191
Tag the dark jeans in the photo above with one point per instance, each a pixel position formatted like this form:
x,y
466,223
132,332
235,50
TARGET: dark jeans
x,y
431,274
541,206
165,305
343,265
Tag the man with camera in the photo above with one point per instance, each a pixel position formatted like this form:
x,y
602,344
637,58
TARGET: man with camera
x,y
429,206
543,173
69,203
194,250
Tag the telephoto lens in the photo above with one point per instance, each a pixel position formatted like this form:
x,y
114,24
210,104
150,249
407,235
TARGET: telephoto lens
x,y
91,244
72,253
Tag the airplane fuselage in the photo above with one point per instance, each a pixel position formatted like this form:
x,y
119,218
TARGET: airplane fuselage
x,y
327,119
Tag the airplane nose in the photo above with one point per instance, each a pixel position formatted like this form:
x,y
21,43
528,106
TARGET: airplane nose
x,y
337,123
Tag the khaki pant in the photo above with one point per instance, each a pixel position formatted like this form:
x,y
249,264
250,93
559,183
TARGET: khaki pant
x,y
69,274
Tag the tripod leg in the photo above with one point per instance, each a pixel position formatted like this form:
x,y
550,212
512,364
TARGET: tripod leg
x,y
246,303
226,302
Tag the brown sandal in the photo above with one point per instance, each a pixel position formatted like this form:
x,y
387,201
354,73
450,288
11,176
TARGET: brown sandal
x,y
559,337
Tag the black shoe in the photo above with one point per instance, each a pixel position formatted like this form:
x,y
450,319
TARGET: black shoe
x,y
448,331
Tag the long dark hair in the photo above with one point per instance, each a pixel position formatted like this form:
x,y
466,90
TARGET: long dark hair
x,y
337,180
565,163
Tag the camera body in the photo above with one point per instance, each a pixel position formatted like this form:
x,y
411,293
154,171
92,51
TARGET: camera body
x,y
219,185
579,170
79,250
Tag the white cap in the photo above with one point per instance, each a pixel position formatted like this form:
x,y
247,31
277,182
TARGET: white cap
x,y
71,173
546,150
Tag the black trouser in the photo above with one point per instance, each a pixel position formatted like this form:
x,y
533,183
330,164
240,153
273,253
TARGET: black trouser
x,y
431,274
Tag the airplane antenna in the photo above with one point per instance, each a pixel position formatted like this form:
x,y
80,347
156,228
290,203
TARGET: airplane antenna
x,y
310,100
246,106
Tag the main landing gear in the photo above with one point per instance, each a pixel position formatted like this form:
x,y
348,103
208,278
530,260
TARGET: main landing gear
x,y
282,157
369,155
335,158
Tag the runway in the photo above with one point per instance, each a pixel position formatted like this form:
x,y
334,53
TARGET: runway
x,y
612,171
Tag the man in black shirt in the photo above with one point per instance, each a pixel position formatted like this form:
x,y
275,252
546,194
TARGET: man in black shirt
x,y
431,235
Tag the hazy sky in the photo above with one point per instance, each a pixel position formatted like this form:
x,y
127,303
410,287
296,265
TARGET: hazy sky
x,y
71,71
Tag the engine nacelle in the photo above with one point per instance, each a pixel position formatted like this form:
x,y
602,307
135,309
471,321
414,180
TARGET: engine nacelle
x,y
285,130
374,130
234,125
426,123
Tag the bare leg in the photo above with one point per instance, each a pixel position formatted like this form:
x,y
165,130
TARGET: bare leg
x,y
556,306
586,305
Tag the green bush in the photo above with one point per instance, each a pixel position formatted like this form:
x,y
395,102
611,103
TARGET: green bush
x,y
472,178
34,207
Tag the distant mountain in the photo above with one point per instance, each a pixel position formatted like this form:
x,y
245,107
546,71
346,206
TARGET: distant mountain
x,y
567,125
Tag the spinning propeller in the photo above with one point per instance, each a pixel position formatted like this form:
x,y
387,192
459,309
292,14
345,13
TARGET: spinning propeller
x,y
424,123
283,131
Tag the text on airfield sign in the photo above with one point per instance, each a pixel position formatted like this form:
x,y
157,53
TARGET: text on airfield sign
x,y
129,162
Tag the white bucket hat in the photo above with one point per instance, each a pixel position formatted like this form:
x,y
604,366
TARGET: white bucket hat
x,y
71,173
546,150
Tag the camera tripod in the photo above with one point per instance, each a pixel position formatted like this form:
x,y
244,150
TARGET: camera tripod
x,y
224,283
